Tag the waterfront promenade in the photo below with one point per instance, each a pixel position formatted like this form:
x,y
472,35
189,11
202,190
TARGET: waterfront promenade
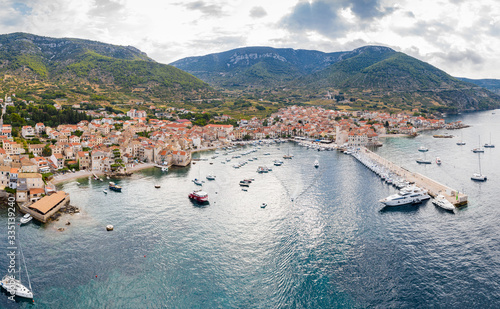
x,y
433,187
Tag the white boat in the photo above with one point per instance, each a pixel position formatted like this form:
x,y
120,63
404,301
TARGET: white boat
x,y
461,141
442,202
438,161
164,168
25,219
490,145
157,186
478,149
15,286
423,161
197,182
211,177
423,149
479,176
263,205
316,164
407,195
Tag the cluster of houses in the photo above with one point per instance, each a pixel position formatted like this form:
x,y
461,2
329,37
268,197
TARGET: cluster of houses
x,y
107,145
342,127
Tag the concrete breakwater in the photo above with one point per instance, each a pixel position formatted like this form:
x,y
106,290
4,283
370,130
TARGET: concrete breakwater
x,y
432,186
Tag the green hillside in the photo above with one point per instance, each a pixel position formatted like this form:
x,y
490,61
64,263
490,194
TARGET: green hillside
x,y
83,69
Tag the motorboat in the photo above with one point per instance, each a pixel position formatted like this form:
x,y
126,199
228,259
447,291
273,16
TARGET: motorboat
x,y
105,191
262,169
211,177
438,161
263,205
423,161
442,202
407,195
423,149
478,150
244,189
197,182
316,164
115,187
244,183
157,186
25,219
164,168
199,196
278,162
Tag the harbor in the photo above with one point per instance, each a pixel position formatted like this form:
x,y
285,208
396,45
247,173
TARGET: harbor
x,y
433,187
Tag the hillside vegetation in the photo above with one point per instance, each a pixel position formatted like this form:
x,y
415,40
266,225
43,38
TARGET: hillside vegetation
x,y
373,77
85,70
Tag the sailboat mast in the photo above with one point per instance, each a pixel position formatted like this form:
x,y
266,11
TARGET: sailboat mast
x,y
479,160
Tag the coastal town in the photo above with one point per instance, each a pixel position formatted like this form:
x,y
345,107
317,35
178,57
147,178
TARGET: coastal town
x,y
32,163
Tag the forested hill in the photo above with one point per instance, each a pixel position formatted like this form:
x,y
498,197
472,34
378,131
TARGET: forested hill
x,y
90,70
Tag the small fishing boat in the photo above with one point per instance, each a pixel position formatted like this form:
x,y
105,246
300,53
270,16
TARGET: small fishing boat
x,y
115,187
26,218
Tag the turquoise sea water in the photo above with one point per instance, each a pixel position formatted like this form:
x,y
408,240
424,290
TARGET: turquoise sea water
x,y
332,246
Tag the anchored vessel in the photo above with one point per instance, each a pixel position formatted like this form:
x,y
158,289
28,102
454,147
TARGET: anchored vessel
x,y
199,196
442,202
114,187
15,286
408,195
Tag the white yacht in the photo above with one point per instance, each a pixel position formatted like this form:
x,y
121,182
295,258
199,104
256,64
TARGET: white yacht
x,y
442,202
316,164
423,149
14,285
407,195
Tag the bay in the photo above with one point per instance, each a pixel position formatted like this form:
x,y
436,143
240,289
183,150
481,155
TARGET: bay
x,y
323,241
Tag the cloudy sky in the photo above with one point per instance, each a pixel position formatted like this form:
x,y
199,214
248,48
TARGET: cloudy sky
x,y
459,36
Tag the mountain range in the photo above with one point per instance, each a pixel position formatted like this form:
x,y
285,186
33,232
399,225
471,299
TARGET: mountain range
x,y
374,74
375,77
85,69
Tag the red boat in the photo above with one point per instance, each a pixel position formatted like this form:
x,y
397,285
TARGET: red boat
x,y
199,196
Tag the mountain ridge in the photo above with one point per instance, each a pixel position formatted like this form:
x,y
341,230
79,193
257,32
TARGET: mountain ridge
x,y
84,68
368,73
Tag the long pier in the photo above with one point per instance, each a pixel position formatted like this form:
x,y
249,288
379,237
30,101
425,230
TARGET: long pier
x,y
433,187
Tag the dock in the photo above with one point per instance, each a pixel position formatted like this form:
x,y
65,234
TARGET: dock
x,y
433,187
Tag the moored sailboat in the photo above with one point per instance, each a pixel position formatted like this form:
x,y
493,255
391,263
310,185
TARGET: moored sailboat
x,y
479,176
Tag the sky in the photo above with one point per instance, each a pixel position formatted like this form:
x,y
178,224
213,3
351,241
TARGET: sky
x,y
461,37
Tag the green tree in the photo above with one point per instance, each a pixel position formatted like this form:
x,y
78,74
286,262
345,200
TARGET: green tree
x,y
46,152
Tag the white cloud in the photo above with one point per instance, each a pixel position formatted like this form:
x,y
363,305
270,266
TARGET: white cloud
x,y
460,37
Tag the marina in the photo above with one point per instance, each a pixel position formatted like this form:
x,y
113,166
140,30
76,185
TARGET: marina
x,y
433,187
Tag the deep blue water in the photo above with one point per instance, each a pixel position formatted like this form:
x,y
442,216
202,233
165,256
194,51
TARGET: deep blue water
x,y
333,246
